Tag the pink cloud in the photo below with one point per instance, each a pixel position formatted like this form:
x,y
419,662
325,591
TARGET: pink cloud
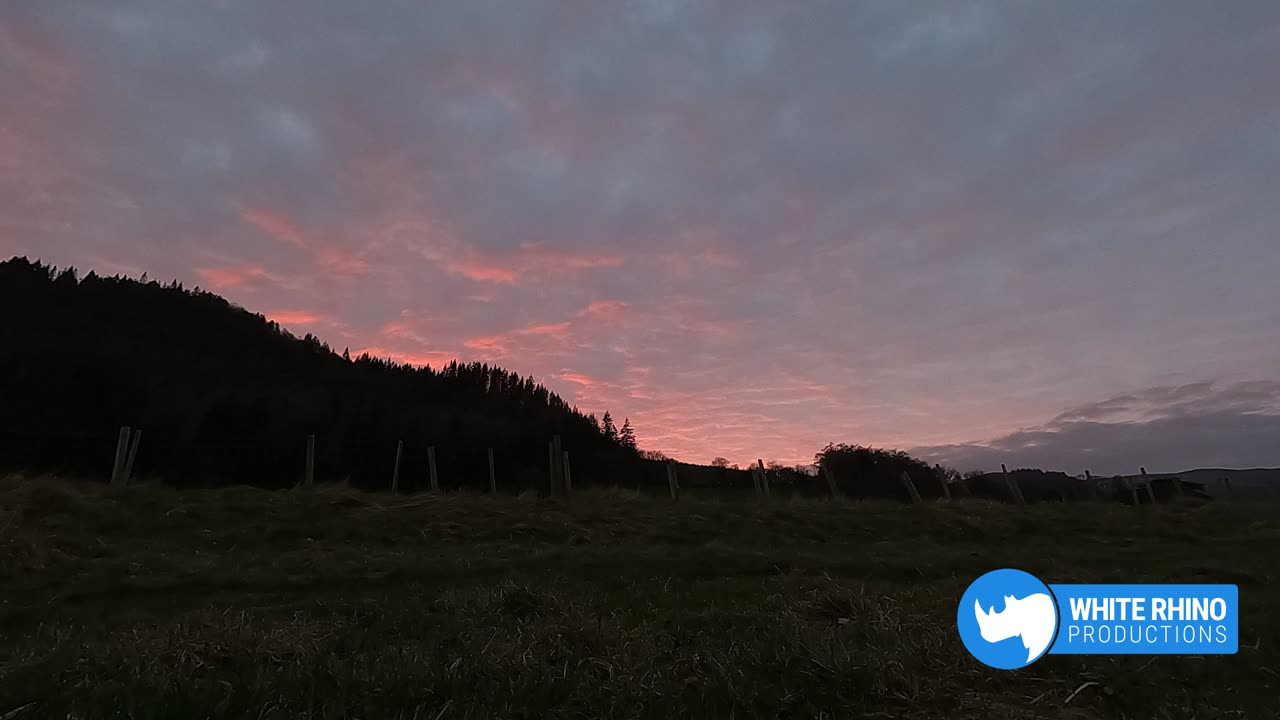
x,y
607,310
403,329
226,278
499,345
700,249
338,262
435,359
293,317
532,259
556,330
537,257
492,344
328,256
26,169
48,66
578,379
482,270
436,242
275,225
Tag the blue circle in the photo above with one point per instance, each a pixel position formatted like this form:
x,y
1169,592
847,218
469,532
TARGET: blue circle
x,y
1007,619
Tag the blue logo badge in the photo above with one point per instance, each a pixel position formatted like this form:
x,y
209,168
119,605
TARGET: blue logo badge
x,y
1007,619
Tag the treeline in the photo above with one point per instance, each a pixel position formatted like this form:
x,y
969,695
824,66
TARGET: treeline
x,y
226,396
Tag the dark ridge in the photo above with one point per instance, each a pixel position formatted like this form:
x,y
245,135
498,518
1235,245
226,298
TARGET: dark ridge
x,y
225,396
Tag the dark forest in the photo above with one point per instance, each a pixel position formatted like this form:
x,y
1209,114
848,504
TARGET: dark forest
x,y
225,396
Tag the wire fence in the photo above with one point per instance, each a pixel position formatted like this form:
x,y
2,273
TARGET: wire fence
x,y
180,459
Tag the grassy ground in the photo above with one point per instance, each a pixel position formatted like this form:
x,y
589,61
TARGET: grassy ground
x,y
157,603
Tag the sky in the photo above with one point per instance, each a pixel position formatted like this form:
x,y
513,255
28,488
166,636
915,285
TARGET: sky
x,y
1039,233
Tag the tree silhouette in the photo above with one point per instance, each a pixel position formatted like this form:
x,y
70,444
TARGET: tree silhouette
x,y
871,472
627,435
225,395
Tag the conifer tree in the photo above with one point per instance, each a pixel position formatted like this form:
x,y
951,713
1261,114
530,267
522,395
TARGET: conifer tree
x,y
627,436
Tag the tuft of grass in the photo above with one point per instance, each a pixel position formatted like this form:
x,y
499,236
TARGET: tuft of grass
x,y
326,602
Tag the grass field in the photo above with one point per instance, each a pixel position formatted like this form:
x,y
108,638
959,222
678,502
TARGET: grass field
x,y
158,603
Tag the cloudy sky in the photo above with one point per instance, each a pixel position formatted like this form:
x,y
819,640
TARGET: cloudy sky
x,y
1042,233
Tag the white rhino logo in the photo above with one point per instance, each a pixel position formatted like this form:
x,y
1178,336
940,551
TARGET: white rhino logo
x,y
1033,618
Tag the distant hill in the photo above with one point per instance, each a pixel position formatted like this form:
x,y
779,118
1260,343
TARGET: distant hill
x,y
1036,486
1258,483
1046,486
225,396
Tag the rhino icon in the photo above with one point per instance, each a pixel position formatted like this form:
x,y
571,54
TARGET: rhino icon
x,y
1033,618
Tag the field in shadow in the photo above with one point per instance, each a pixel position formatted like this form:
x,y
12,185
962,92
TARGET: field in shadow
x,y
149,602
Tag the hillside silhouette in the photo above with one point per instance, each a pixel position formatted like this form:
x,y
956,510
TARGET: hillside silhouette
x,y
225,396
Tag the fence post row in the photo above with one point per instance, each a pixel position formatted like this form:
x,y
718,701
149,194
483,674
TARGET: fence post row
x,y
1011,482
1146,482
557,466
562,479
551,468
395,474
1133,490
310,477
1177,486
764,479
133,454
122,450
911,488
831,481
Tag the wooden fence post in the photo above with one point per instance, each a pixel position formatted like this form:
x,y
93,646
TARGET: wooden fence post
x,y
946,488
911,488
764,479
133,453
1133,490
831,481
1226,484
122,450
395,474
671,480
1093,486
1015,490
1146,482
755,481
568,474
557,466
493,477
431,468
1175,481
310,477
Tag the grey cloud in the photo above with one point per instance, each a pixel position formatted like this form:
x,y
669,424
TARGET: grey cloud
x,y
1176,428
926,207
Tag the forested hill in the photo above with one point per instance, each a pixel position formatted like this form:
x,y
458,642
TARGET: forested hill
x,y
225,396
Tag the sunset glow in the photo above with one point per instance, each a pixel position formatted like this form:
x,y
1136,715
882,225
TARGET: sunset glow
x,y
1014,231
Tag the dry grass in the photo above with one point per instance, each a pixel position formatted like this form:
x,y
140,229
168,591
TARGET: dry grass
x,y
154,603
